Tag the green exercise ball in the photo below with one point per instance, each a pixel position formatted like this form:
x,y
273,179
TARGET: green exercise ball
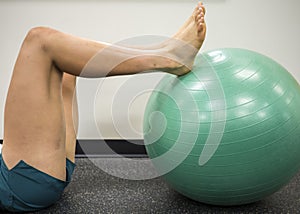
x,y
228,132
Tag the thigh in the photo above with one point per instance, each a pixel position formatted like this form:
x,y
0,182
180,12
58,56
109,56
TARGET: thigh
x,y
71,114
34,126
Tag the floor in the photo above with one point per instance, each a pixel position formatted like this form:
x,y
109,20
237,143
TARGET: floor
x,y
94,191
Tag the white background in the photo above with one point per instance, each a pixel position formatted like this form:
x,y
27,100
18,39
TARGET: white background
x,y
271,27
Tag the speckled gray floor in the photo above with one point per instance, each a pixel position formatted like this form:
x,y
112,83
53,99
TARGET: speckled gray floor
x,y
93,191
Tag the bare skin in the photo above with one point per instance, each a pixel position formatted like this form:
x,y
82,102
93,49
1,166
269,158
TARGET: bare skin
x,y
38,124
192,32
71,114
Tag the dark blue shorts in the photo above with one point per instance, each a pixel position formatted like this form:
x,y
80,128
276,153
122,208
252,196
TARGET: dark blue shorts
x,y
24,188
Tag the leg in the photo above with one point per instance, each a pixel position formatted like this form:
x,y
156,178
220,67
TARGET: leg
x,y
71,114
34,123
67,58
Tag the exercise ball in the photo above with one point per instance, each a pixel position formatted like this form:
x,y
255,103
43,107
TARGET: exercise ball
x,y
228,132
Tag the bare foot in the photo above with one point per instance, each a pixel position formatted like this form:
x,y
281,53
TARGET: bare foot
x,y
185,44
175,55
194,17
195,28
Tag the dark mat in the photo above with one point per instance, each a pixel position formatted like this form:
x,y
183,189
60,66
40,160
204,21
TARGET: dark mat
x,y
94,191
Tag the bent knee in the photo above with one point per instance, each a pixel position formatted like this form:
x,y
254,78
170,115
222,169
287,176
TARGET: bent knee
x,y
39,33
40,36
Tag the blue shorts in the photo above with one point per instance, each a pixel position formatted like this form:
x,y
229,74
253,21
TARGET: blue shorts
x,y
24,188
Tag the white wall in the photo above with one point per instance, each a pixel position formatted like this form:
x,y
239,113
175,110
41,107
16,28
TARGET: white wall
x,y
270,27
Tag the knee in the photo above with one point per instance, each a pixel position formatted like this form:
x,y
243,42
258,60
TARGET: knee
x,y
39,36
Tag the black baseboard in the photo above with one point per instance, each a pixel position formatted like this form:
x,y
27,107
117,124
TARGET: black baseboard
x,y
109,148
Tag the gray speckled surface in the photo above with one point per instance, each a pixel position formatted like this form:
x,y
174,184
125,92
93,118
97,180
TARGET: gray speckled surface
x,y
94,191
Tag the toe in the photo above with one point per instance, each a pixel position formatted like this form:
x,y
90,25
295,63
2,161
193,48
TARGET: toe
x,y
199,15
200,24
201,7
197,12
200,21
200,27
